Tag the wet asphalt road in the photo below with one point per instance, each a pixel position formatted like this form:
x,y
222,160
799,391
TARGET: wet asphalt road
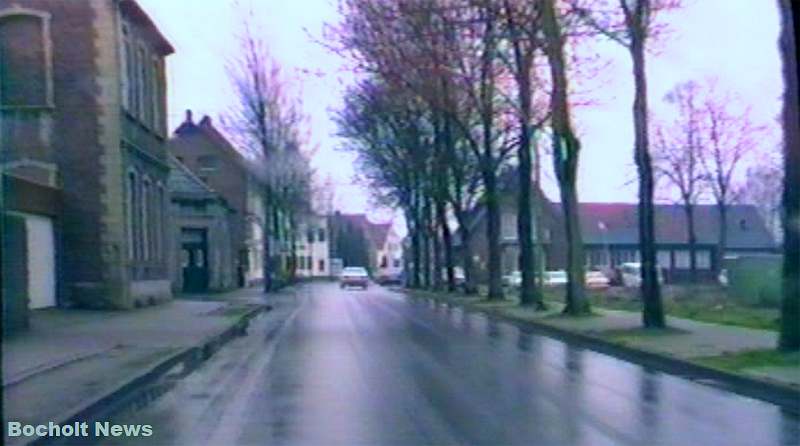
x,y
376,368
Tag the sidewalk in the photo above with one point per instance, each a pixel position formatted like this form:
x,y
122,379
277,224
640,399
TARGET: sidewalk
x,y
701,343
70,358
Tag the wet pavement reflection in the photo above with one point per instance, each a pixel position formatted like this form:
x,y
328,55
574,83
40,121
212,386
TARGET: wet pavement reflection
x,y
374,367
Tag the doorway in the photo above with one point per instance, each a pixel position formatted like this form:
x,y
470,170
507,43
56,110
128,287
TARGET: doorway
x,y
194,260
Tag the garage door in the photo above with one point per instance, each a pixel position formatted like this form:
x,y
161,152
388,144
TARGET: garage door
x,y
41,262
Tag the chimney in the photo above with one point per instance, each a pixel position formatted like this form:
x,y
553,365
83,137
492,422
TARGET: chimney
x,y
189,117
206,121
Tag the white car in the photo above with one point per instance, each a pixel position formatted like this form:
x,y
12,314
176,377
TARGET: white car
x,y
631,274
555,278
596,280
513,280
354,276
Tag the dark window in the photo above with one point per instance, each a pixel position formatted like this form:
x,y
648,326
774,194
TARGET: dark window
x,y
321,235
321,265
23,71
384,262
310,236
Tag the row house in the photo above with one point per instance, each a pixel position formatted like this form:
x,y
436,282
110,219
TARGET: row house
x,y
83,152
312,247
610,235
212,160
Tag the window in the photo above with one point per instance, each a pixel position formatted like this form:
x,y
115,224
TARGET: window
x,y
309,262
208,163
160,221
682,259
141,82
130,210
663,259
145,209
302,262
384,262
397,263
321,265
310,236
703,258
25,71
321,235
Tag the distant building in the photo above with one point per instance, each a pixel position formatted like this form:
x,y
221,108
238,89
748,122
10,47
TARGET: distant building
x,y
610,235
82,137
313,247
214,161
202,255
360,242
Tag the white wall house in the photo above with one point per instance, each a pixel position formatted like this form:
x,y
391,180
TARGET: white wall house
x,y
313,247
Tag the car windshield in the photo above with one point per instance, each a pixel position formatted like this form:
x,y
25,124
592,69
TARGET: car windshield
x,y
354,271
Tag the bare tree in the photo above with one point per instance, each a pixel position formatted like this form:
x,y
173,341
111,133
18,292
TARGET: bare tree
x,y
729,136
790,306
265,123
566,150
631,23
762,188
678,157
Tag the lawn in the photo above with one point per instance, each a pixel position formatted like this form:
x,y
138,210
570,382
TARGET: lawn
x,y
700,303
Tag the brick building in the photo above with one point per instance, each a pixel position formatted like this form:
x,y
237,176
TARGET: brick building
x,y
83,115
213,159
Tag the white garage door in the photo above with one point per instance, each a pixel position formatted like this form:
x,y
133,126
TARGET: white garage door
x,y
41,262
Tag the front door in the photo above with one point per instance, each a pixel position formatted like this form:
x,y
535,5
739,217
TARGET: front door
x,y
194,260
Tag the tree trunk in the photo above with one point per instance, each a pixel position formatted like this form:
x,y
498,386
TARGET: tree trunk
x,y
653,312
438,283
426,245
790,304
566,151
722,246
265,255
688,209
493,235
466,252
447,240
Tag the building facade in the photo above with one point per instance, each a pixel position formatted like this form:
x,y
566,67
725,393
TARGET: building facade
x,y
202,254
610,236
83,103
202,149
312,247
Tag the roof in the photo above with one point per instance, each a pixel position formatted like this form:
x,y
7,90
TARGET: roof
x,y
617,223
377,233
206,129
184,184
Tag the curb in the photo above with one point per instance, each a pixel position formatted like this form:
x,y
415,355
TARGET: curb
x,y
781,395
190,358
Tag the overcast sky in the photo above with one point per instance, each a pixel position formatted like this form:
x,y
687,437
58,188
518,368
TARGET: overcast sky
x,y
732,40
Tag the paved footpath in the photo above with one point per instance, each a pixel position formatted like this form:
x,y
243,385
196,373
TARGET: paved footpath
x,y
686,339
70,358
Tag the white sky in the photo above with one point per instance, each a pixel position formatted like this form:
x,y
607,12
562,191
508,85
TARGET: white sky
x,y
732,40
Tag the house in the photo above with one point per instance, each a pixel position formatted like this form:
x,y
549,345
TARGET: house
x,y
202,254
359,242
313,247
610,235
213,160
83,116
389,251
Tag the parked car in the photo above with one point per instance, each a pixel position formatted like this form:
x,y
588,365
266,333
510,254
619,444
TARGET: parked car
x,y
354,276
723,277
596,280
555,278
513,280
631,274
390,279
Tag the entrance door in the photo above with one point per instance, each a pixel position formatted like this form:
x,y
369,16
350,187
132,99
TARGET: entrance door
x,y
194,258
41,262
